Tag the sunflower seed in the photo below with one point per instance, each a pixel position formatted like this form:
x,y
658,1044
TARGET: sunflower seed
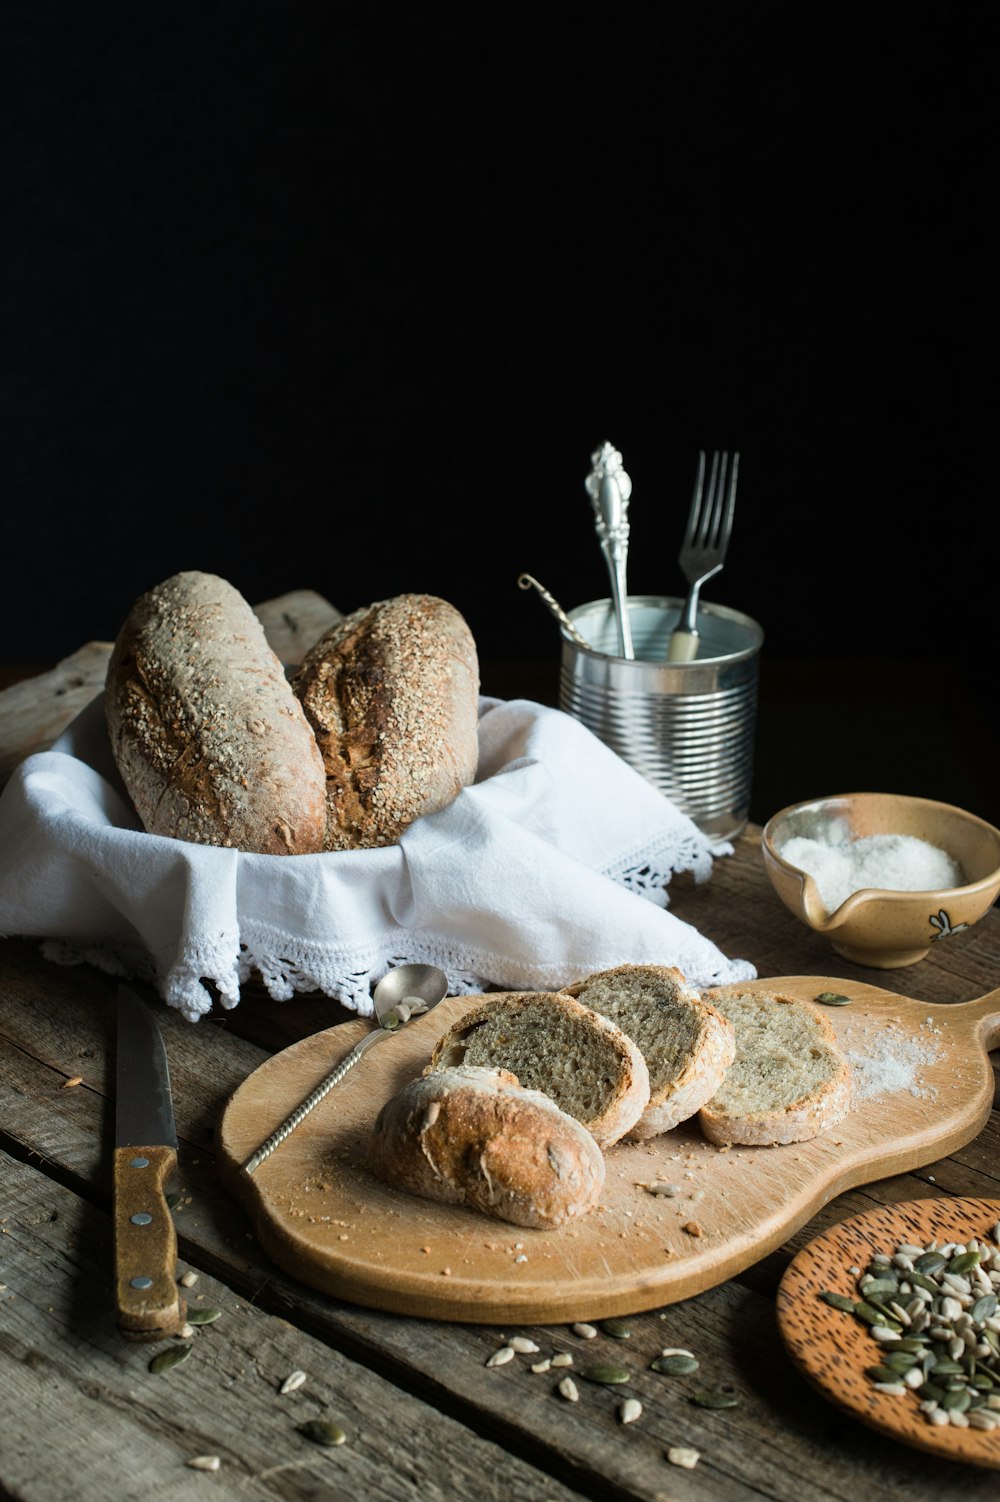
x,y
204,1462
501,1357
567,1388
541,1366
684,1456
630,1410
189,1279
292,1381
585,1332
522,1344
562,1358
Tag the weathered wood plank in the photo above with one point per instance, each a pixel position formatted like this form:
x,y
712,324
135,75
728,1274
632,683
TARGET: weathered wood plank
x,y
84,1416
66,1019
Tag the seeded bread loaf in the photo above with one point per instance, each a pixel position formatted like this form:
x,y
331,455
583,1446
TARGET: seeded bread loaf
x,y
392,694
687,1044
552,1043
476,1137
210,741
788,1081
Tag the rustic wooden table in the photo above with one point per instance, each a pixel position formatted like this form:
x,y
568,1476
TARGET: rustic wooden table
x,y
423,1414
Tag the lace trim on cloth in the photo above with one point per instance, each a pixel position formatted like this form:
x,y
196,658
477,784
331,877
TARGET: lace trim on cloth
x,y
648,873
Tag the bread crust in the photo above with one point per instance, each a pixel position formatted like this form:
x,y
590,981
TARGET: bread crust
x,y
798,1120
629,1094
470,1136
209,739
392,694
679,1098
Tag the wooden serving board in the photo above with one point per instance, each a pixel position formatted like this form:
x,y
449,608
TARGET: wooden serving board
x,y
323,1217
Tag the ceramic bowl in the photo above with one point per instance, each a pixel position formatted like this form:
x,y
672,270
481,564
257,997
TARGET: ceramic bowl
x,y
877,927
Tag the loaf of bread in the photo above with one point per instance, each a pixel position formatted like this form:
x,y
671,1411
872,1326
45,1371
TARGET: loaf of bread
x,y
788,1082
687,1045
581,1060
476,1137
392,694
211,742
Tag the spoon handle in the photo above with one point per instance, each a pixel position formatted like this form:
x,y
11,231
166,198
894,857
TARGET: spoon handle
x,y
321,1091
609,488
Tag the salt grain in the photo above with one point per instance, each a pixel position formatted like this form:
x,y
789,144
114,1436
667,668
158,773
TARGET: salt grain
x,y
890,862
889,1063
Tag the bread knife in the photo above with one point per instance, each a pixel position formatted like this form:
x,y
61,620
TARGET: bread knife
x,y
147,1297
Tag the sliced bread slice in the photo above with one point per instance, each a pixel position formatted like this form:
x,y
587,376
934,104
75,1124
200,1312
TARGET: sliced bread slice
x,y
581,1060
687,1045
789,1080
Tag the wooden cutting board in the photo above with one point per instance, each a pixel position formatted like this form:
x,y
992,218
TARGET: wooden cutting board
x,y
324,1218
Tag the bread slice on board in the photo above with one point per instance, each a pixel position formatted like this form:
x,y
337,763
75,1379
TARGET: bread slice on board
x,y
551,1042
470,1136
687,1044
789,1080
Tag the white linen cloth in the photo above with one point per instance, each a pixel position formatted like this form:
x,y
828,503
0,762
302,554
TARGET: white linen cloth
x,y
553,865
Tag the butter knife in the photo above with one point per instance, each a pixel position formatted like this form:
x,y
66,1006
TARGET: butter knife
x,y
147,1297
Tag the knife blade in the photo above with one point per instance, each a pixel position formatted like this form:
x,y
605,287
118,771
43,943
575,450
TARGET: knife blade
x,y
147,1297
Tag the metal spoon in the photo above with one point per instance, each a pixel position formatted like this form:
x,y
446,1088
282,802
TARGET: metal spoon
x,y
404,992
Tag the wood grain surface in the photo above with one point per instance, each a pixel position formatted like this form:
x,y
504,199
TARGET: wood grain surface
x,y
320,1212
832,1347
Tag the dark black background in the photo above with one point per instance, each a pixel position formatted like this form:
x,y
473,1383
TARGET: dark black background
x,y
336,298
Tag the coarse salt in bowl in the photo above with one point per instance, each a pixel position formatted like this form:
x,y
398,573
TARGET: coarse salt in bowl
x,y
882,875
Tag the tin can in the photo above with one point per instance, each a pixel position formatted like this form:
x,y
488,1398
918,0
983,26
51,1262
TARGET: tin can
x,y
687,727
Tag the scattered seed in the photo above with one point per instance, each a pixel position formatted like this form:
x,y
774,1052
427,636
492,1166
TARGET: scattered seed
x,y
186,1331
833,999
188,1279
668,1191
522,1344
630,1410
76,1080
567,1388
585,1332
322,1432
616,1328
709,1398
562,1358
674,1366
166,1360
838,1301
606,1376
204,1463
292,1381
683,1455
501,1357
676,1351
203,1316
541,1366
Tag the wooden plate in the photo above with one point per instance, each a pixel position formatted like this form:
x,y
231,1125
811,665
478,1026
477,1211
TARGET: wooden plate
x,y
832,1348
321,1214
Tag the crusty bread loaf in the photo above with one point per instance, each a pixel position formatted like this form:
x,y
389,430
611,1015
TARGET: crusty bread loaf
x,y
209,738
552,1043
392,693
687,1044
789,1080
477,1137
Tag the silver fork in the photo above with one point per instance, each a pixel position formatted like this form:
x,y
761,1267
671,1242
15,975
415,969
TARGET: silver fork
x,y
703,551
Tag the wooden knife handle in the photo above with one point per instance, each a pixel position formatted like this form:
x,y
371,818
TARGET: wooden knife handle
x,y
146,1294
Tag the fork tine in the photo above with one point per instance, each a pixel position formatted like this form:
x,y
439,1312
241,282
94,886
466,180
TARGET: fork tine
x,y
727,516
714,522
695,508
705,521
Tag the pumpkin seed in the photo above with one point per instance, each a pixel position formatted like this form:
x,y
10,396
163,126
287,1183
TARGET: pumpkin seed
x,y
322,1432
203,1316
984,1307
872,1315
833,999
964,1262
715,1399
930,1262
674,1366
166,1360
838,1301
616,1328
607,1376
881,1374
957,1401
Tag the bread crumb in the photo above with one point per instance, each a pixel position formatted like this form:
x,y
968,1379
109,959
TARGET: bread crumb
x,y
692,1228
76,1080
446,1272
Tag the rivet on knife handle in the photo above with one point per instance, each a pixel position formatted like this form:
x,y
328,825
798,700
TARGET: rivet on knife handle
x,y
148,1300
